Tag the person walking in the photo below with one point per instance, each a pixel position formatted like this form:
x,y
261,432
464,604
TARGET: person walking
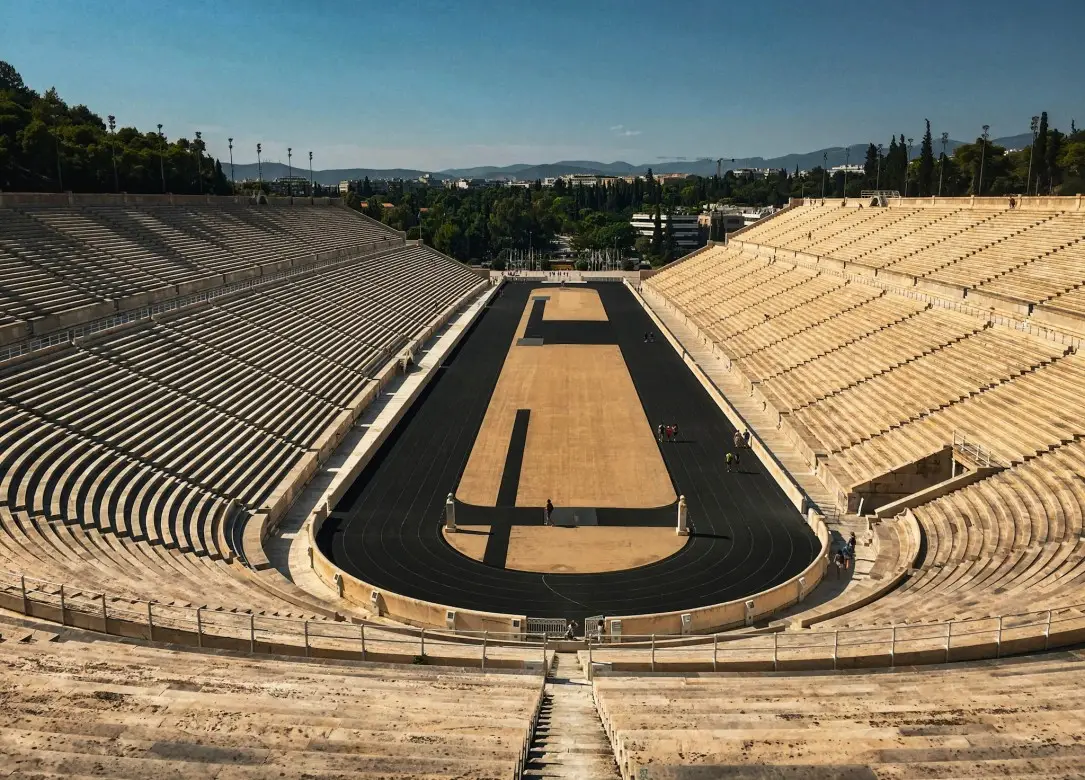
x,y
738,440
729,459
549,510
746,438
659,433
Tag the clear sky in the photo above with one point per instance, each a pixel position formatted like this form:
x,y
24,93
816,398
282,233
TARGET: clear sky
x,y
431,85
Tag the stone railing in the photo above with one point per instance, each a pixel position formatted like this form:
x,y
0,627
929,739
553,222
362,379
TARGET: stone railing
x,y
856,648
250,632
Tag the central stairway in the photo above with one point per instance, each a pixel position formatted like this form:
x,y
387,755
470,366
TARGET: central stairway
x,y
569,740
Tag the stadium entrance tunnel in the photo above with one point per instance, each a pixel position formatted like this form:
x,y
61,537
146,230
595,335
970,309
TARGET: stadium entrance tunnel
x,y
597,389
922,480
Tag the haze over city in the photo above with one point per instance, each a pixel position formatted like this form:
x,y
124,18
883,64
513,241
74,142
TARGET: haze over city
x,y
437,85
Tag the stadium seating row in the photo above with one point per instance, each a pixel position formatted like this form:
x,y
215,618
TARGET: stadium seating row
x,y
56,259
77,708
868,386
1008,719
128,455
1033,256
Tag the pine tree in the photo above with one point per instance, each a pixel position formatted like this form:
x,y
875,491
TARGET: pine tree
x,y
1039,152
926,162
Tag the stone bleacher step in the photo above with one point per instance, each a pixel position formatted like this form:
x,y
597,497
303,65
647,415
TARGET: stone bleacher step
x,y
569,739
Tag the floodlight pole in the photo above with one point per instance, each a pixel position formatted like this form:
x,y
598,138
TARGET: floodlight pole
x,y
907,162
113,147
231,140
824,172
1034,126
289,171
942,162
312,191
162,157
983,155
259,168
199,159
847,161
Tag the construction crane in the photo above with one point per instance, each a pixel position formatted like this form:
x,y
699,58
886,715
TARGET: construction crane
x,y
719,163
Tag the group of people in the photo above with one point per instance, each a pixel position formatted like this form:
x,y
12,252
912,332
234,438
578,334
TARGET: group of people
x,y
742,442
666,433
845,556
649,337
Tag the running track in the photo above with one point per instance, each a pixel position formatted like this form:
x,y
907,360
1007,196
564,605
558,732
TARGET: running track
x,y
747,536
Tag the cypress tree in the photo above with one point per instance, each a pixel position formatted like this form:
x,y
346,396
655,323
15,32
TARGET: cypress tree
x,y
889,181
1040,155
1054,149
926,162
870,164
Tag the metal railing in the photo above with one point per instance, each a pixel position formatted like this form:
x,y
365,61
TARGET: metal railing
x,y
971,638
241,630
972,449
247,631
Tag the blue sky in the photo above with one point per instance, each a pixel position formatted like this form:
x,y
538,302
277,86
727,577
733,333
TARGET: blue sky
x,y
431,85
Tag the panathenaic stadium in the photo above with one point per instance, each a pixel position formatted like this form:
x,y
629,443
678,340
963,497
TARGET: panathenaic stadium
x,y
285,495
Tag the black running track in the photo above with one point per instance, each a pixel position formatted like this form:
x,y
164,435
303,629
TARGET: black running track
x,y
386,530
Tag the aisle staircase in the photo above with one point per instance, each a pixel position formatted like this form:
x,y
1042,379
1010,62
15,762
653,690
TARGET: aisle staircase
x,y
569,740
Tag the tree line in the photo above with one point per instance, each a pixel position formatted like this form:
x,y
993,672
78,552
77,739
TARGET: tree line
x,y
47,145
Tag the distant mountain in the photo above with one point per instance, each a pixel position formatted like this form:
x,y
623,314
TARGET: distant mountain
x,y
273,170
836,155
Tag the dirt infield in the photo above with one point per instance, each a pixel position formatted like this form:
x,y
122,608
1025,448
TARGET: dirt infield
x,y
583,550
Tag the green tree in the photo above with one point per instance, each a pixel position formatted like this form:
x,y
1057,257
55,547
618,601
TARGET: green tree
x,y
1039,152
1052,156
926,162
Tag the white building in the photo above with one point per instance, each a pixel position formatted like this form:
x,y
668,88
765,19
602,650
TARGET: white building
x,y
687,233
851,170
753,173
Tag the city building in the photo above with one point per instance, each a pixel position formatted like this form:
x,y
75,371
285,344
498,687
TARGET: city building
x,y
585,179
686,228
290,185
753,173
